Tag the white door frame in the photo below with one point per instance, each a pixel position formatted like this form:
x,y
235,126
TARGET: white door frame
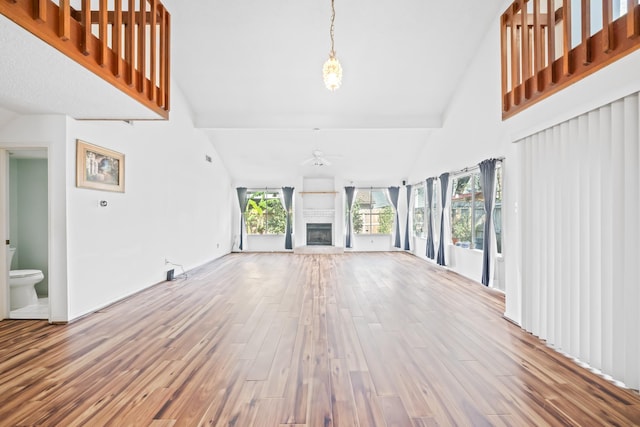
x,y
5,225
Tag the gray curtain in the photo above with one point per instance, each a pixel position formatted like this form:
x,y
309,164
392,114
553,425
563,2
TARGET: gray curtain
x,y
242,200
350,193
407,245
444,184
431,253
394,194
287,196
488,181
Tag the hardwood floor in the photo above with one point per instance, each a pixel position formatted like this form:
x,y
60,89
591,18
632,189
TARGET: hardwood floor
x,y
378,339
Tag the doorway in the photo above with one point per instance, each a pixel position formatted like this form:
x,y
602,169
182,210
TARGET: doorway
x,y
27,228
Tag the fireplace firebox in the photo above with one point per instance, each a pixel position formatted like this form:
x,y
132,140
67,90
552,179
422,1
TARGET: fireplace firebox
x,y
319,234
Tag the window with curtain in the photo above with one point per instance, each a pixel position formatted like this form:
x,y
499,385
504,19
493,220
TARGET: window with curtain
x,y
467,210
418,211
435,214
265,213
497,210
372,211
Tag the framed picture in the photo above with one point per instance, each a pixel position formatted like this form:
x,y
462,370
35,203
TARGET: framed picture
x,y
99,168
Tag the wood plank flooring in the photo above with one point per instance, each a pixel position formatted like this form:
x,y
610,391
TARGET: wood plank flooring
x,y
370,339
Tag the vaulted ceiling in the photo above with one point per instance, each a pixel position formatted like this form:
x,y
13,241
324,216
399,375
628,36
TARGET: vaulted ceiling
x,y
251,73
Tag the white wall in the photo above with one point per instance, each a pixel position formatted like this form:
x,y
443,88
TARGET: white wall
x,y
176,206
373,243
264,243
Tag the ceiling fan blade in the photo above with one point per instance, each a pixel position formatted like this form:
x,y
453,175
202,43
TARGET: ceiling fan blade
x,y
306,162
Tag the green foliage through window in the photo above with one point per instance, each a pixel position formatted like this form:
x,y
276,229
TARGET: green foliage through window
x,y
467,211
372,212
265,213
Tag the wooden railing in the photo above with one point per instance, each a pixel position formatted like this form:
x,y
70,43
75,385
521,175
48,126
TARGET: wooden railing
x,y
128,46
552,51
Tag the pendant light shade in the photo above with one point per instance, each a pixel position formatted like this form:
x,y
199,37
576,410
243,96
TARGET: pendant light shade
x,y
332,70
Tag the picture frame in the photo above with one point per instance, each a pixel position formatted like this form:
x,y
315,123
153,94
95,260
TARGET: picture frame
x,y
99,168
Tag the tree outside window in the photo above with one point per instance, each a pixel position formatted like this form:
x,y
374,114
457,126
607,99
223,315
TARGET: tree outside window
x,y
467,211
372,212
265,213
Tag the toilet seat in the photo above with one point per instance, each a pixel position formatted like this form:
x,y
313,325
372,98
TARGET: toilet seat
x,y
20,274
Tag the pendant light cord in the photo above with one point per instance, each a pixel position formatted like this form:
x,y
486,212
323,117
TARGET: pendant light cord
x,y
331,29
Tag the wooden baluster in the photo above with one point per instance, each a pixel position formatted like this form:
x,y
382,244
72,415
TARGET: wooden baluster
x,y
85,36
607,16
116,34
526,51
64,25
142,46
632,21
503,60
586,30
566,37
515,58
551,39
538,46
163,57
167,67
153,58
102,33
40,10
129,37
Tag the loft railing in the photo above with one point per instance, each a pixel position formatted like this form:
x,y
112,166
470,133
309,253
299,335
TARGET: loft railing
x,y
128,46
549,44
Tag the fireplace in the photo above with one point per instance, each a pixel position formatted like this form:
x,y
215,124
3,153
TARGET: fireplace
x,y
319,234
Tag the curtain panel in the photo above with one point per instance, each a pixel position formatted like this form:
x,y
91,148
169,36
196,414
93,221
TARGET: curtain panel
x,y
407,240
394,195
431,254
242,201
444,183
349,193
488,181
287,198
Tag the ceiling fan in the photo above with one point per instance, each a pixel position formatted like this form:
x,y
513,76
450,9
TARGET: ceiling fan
x,y
318,159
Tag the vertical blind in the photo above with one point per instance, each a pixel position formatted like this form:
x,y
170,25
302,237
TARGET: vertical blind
x,y
580,210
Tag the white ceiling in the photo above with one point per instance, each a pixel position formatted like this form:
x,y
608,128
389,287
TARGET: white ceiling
x,y
251,72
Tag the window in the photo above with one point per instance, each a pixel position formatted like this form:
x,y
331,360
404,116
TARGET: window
x,y
434,210
467,210
419,229
497,210
372,211
265,213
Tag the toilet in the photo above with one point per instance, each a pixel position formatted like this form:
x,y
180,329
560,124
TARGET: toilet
x,y
22,283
